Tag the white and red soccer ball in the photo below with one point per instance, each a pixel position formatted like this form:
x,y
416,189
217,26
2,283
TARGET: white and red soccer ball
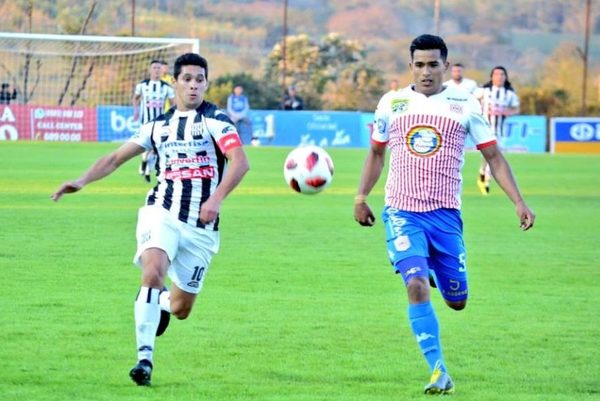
x,y
308,169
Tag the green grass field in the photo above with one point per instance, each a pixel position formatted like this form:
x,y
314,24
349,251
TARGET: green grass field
x,y
300,304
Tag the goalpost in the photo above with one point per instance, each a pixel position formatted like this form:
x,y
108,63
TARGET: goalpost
x,y
76,87
81,70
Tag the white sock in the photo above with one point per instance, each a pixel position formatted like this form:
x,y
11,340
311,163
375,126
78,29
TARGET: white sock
x,y
147,316
164,301
488,174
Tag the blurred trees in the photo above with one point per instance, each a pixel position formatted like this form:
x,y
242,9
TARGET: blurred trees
x,y
558,86
241,36
261,94
332,74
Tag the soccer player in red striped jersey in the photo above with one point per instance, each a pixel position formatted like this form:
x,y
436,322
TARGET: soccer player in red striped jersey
x,y
424,126
177,231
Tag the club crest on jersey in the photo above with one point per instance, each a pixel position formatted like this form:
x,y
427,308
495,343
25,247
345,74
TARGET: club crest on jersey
x,y
197,130
423,140
399,105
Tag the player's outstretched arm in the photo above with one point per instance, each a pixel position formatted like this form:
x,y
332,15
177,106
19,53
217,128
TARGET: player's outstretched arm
x,y
237,168
503,174
369,176
100,169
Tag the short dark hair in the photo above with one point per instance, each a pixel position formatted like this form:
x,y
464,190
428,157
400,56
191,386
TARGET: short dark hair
x,y
190,59
461,65
156,61
429,42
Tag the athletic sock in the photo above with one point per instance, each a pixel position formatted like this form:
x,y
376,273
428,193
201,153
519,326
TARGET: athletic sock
x,y
488,175
147,316
425,326
164,300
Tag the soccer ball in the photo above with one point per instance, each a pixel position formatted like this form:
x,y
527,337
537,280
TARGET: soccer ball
x,y
308,169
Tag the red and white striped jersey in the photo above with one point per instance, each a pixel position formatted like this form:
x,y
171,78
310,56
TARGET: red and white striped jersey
x,y
426,138
191,147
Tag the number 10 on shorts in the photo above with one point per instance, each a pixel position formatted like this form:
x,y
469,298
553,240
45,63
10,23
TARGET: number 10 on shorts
x,y
197,276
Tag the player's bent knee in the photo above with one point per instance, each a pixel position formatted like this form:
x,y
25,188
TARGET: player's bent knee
x,y
457,305
153,277
180,308
181,312
418,290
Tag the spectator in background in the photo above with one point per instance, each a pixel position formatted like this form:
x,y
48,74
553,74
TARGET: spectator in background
x,y
168,78
499,100
291,100
6,95
165,74
458,80
238,109
394,85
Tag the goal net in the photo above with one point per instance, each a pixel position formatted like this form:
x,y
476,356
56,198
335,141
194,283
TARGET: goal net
x,y
79,71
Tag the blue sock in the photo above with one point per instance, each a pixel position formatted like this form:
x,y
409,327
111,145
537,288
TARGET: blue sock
x,y
425,326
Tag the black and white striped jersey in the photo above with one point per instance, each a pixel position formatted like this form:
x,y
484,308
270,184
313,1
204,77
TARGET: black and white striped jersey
x,y
495,100
153,95
190,148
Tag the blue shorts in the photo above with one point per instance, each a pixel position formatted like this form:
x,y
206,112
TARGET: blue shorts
x,y
418,242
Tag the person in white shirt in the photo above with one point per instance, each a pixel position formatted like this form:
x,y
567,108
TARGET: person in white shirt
x,y
458,80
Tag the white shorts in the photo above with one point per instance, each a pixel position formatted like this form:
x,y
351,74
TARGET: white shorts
x,y
190,249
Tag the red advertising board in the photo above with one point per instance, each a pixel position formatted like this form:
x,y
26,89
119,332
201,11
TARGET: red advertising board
x,y
64,124
47,123
14,122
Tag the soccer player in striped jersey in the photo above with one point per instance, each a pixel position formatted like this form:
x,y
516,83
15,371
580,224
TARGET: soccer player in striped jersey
x,y
425,126
149,98
499,100
177,230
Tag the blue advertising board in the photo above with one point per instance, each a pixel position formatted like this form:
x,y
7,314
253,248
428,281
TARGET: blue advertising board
x,y
575,135
522,134
322,128
343,129
115,123
366,128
